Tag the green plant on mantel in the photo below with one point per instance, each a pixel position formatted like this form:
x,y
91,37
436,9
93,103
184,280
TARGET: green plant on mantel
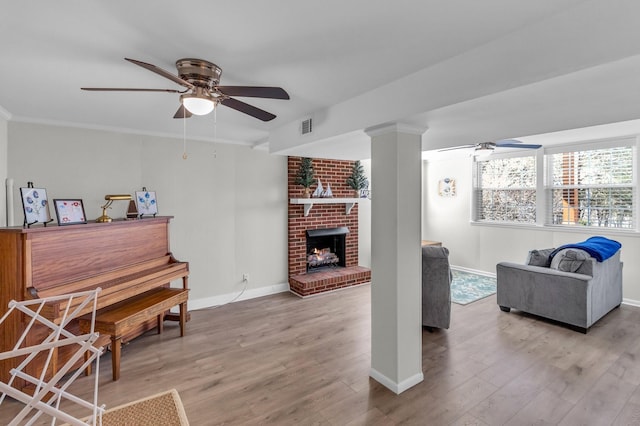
x,y
358,180
305,175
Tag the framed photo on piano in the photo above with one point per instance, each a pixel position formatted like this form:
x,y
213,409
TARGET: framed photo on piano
x,y
69,211
146,202
35,205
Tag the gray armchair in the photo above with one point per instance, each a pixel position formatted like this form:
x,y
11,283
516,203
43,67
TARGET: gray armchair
x,y
436,287
577,290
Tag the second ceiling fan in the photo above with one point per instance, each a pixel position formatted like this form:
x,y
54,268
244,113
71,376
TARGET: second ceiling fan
x,y
486,148
202,92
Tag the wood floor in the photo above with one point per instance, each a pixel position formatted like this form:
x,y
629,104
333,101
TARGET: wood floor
x,y
288,361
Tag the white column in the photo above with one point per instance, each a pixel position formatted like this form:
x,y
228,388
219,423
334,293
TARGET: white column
x,y
396,291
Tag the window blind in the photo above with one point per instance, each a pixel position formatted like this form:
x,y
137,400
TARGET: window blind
x,y
505,190
592,187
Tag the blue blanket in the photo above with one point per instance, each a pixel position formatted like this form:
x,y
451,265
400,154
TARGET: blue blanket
x,y
600,248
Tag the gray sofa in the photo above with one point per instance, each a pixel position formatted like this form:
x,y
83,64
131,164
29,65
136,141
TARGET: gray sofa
x,y
572,288
436,287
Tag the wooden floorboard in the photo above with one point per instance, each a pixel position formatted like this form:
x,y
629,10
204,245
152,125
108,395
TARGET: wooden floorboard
x,y
285,360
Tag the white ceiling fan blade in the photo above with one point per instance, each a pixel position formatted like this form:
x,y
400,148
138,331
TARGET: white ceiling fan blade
x,y
457,147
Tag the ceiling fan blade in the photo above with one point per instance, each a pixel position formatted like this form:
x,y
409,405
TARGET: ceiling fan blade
x,y
519,145
160,71
254,91
124,89
182,112
258,113
457,147
501,142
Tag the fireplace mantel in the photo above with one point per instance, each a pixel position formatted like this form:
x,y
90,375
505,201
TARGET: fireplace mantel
x,y
309,202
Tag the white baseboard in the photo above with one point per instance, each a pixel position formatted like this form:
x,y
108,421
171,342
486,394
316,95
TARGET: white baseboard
x,y
394,387
223,299
474,271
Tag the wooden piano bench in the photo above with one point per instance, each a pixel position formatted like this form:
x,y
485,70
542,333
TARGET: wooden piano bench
x,y
123,317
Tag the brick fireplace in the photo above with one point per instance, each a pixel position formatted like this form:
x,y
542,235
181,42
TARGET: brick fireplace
x,y
323,218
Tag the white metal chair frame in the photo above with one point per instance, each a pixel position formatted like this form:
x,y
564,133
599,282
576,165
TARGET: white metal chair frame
x,y
56,386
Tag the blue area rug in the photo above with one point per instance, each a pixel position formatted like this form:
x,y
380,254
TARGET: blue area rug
x,y
467,287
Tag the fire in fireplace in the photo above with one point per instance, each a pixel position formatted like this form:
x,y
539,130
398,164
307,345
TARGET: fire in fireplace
x,y
322,257
326,248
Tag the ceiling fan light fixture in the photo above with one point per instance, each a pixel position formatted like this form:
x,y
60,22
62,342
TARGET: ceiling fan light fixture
x,y
483,151
198,105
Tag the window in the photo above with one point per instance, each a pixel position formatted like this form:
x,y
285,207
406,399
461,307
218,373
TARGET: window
x,y
585,185
505,189
593,187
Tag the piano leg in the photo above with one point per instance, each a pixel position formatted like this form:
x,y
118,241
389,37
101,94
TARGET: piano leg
x,y
87,371
160,323
183,317
115,356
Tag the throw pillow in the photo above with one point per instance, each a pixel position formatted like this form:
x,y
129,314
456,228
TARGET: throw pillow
x,y
539,257
569,260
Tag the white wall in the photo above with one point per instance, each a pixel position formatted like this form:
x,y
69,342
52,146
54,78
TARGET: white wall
x,y
481,247
229,202
3,170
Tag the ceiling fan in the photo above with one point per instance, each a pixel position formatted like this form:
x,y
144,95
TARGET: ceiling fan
x,y
202,92
486,148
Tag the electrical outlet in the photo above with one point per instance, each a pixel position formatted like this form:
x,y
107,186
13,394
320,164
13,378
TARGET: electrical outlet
x,y
245,277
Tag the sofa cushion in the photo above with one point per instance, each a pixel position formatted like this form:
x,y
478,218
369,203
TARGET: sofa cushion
x,y
539,257
569,260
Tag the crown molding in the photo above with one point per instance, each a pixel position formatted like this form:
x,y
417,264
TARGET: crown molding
x,y
261,145
179,136
5,114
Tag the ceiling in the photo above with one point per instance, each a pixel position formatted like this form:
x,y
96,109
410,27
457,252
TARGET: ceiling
x,y
469,71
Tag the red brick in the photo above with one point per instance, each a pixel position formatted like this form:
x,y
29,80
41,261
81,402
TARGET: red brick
x,y
335,173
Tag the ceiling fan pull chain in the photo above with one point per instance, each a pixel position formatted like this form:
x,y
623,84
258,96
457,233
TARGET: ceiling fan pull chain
x,y
215,131
184,138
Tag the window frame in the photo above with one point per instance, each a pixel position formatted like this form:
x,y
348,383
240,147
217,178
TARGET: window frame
x,y
475,210
631,142
544,185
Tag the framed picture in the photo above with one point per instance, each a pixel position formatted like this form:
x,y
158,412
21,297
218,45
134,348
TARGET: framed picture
x,y
447,187
69,211
35,205
146,202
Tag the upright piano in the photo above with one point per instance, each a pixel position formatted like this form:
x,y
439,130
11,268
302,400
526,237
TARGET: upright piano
x,y
124,258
